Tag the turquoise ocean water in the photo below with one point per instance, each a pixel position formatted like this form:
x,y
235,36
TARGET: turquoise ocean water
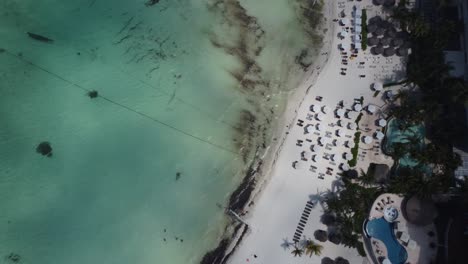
x,y
189,87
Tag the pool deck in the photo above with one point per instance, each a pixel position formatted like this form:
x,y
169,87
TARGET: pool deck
x,y
421,253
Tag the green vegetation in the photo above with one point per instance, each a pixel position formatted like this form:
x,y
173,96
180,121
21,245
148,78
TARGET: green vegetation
x,y
364,29
309,247
355,149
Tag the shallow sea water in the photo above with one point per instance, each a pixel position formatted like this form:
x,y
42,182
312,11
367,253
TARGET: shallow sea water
x,y
169,101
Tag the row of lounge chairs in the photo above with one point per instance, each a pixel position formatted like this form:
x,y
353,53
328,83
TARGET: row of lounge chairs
x,y
304,217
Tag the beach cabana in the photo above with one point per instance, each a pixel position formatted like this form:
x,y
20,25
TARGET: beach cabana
x,y
357,107
344,46
348,156
381,122
316,158
344,167
325,109
352,126
371,108
344,21
367,140
357,29
377,86
372,41
320,116
340,112
315,148
315,108
379,135
339,132
357,45
389,52
357,12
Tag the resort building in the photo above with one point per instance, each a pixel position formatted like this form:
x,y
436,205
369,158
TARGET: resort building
x,y
400,230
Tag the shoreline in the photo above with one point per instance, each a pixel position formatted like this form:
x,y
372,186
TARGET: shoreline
x,y
256,178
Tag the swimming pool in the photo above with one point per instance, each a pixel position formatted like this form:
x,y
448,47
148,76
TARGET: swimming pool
x,y
382,230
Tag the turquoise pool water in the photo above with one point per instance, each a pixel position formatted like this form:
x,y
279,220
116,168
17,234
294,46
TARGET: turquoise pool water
x,y
382,230
395,135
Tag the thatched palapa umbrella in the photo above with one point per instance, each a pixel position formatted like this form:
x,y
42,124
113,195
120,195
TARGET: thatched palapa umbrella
x,y
321,235
379,31
375,20
397,42
385,41
371,28
377,50
372,41
341,260
391,32
389,52
378,2
328,219
335,238
327,260
402,52
389,3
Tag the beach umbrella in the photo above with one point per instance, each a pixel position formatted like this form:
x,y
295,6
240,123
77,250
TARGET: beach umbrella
x,y
357,107
352,115
381,122
340,112
306,154
344,33
319,127
371,108
323,140
377,50
402,52
321,235
316,108
320,116
379,135
349,144
339,132
348,156
378,2
339,123
316,158
344,167
372,41
315,148
344,21
379,31
299,165
389,52
333,157
309,128
371,28
377,86
367,140
397,42
352,126
344,46
325,109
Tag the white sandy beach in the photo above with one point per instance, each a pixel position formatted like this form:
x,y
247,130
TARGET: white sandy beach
x,y
282,197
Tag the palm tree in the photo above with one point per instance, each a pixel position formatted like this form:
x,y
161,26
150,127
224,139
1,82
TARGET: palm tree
x,y
297,251
312,248
366,178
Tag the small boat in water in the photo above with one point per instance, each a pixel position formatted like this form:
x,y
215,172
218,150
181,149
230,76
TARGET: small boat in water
x,y
39,37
